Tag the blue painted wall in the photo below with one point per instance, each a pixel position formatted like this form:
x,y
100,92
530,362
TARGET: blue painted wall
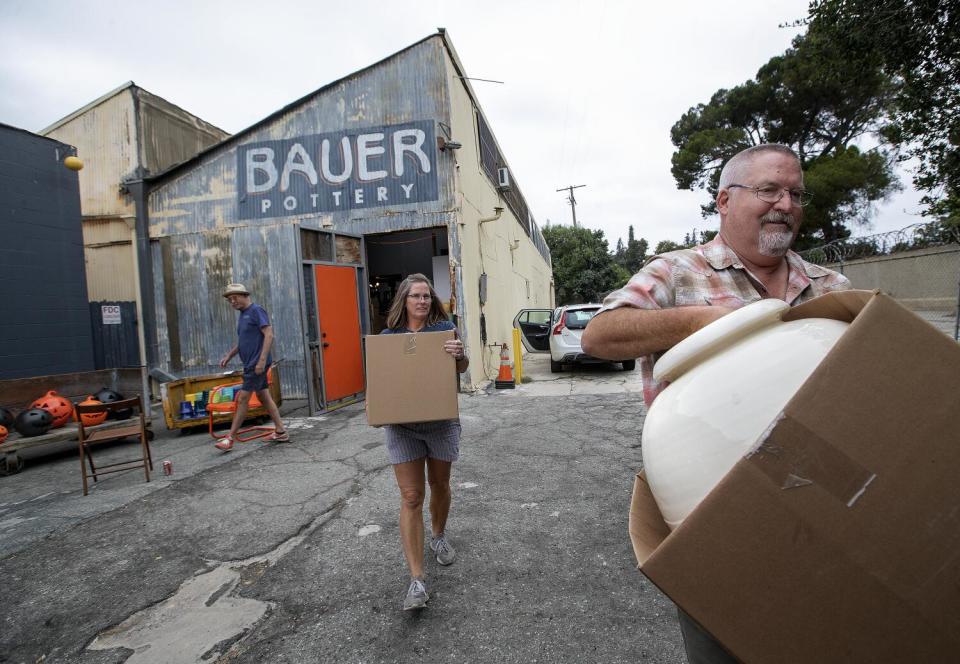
x,y
44,314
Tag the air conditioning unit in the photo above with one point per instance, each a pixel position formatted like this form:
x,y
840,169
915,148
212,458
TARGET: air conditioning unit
x,y
503,178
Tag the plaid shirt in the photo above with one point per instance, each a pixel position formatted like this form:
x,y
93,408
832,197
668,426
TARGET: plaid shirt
x,y
710,274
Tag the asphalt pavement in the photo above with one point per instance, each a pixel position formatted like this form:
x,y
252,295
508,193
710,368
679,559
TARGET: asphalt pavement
x,y
290,552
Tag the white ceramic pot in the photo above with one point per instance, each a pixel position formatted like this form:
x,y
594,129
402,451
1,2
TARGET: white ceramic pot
x,y
728,382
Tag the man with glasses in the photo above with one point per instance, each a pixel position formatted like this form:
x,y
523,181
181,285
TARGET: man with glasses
x,y
760,200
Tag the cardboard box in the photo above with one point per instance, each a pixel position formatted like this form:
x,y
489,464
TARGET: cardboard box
x,y
410,378
838,540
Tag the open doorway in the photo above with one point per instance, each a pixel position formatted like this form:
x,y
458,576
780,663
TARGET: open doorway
x,y
392,257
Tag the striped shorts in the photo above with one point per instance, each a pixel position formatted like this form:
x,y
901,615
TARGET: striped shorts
x,y
436,440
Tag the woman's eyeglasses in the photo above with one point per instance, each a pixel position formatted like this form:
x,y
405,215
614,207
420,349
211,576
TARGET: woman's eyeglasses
x,y
422,298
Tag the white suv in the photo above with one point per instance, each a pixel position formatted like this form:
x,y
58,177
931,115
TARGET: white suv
x,y
559,333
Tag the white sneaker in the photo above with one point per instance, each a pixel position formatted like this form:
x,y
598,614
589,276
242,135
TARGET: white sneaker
x,y
416,595
445,552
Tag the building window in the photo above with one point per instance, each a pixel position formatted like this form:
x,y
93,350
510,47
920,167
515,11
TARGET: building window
x,y
316,245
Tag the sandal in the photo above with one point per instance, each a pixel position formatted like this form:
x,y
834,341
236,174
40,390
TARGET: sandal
x,y
224,444
279,437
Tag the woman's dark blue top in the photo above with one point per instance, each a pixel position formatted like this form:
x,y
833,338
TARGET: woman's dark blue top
x,y
441,326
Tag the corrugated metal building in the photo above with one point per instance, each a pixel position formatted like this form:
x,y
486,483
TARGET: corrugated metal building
x,y
127,133
324,206
44,317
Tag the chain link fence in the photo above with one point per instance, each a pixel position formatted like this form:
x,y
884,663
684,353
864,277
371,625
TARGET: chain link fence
x,y
918,265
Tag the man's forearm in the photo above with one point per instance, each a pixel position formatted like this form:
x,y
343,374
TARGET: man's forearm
x,y
230,353
267,343
628,332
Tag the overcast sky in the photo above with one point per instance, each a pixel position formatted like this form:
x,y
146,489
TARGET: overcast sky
x,y
591,88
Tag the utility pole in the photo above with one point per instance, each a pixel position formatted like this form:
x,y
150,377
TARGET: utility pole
x,y
572,200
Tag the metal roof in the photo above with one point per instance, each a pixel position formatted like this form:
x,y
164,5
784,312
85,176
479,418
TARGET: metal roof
x,y
96,102
240,135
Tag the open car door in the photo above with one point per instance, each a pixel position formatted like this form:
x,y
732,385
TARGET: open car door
x,y
534,326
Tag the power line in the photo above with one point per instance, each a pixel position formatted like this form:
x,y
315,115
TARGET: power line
x,y
485,80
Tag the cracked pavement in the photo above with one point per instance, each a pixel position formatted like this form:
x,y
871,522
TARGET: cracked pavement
x,y
291,553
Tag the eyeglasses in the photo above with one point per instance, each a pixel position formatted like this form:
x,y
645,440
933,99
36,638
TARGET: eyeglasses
x,y
422,298
771,194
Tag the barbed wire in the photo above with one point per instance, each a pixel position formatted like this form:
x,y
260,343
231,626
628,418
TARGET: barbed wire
x,y
914,236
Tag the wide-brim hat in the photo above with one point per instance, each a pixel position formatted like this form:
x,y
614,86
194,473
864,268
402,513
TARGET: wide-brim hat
x,y
235,289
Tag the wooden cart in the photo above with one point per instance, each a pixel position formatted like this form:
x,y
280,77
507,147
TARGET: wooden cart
x,y
174,392
17,394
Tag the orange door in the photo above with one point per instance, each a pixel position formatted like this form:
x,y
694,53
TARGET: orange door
x,y
339,331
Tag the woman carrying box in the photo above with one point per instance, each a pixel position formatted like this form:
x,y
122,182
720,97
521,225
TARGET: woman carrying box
x,y
424,451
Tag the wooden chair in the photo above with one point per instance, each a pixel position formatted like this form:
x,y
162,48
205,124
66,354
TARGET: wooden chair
x,y
91,436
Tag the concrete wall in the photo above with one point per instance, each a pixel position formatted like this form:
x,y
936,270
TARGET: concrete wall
x,y
920,279
518,276
44,315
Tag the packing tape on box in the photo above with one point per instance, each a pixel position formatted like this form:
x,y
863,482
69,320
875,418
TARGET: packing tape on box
x,y
808,460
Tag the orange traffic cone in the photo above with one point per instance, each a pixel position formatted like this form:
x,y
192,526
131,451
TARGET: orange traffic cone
x,y
505,378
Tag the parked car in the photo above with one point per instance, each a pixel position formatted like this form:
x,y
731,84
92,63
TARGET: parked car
x,y
558,332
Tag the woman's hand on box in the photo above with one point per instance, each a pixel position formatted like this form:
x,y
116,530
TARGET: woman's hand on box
x,y
455,348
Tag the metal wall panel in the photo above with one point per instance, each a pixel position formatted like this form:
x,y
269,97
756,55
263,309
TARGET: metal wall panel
x,y
110,268
196,208
115,344
169,135
163,358
105,138
122,131
191,272
44,314
408,87
109,230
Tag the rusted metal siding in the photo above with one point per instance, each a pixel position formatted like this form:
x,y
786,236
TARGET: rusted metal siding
x,y
126,129
169,135
105,138
110,273
203,199
104,231
409,87
196,324
195,209
115,344
108,254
